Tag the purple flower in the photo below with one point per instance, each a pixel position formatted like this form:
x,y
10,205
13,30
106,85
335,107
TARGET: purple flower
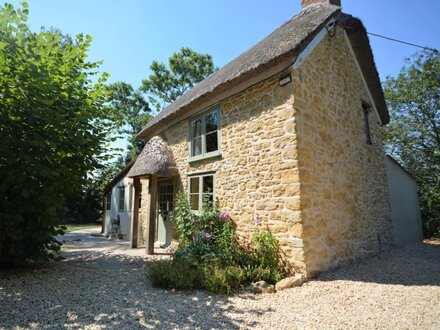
x,y
205,235
225,216
257,220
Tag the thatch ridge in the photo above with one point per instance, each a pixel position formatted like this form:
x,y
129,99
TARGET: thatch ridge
x,y
287,40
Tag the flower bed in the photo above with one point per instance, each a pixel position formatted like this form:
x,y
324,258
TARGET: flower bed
x,y
212,257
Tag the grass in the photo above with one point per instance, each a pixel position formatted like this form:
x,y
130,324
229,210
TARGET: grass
x,y
74,227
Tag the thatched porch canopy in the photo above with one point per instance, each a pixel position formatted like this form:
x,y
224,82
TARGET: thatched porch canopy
x,y
155,159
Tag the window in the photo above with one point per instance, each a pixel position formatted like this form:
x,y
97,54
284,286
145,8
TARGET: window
x,y
204,135
121,202
200,186
108,202
366,107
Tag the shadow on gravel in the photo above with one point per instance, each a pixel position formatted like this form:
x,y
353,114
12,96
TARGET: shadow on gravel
x,y
415,264
97,290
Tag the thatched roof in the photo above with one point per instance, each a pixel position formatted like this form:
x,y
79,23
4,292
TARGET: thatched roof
x,y
286,42
156,158
357,34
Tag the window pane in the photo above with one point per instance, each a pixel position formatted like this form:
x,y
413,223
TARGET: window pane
x,y
197,146
211,142
121,198
208,184
194,200
196,128
194,186
212,122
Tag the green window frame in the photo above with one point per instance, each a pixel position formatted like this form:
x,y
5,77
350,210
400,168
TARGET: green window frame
x,y
204,135
200,185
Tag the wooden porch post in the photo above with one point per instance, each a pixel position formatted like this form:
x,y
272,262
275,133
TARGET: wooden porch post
x,y
135,214
152,187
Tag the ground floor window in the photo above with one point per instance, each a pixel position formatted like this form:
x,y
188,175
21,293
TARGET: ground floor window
x,y
200,186
121,202
108,202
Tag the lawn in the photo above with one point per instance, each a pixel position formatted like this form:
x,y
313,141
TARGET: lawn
x,y
73,227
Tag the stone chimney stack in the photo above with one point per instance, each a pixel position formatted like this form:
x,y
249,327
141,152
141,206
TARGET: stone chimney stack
x,y
306,3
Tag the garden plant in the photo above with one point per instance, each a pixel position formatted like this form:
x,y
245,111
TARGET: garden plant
x,y
211,256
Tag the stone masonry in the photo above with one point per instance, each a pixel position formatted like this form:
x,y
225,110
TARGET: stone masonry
x,y
345,209
296,158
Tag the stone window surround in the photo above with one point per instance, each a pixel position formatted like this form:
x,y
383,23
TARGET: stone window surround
x,y
202,115
200,175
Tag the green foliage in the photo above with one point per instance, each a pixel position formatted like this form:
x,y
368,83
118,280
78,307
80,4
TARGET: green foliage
x,y
222,280
185,69
52,127
184,220
212,253
130,112
413,135
175,274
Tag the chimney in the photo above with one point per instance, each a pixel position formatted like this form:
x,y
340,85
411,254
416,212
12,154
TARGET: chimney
x,y
306,3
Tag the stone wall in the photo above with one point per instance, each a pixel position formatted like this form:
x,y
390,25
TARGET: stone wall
x,y
344,194
296,159
256,175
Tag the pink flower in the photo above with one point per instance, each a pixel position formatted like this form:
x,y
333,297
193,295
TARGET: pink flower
x,y
225,216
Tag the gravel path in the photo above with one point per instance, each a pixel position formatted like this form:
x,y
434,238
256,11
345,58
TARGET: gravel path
x,y
101,288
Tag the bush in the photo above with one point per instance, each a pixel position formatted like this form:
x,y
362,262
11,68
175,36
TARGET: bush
x,y
210,255
53,132
223,280
175,274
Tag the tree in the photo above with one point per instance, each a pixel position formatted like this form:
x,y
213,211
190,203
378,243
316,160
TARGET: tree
x,y
53,129
413,135
185,69
130,112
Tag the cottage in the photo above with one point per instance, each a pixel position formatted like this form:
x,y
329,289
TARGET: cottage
x,y
118,205
286,134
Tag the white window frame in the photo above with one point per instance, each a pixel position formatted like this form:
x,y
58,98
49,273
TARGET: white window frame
x,y
200,192
202,116
108,201
121,192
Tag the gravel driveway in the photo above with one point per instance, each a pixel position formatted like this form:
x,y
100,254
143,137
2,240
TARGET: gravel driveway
x,y
102,287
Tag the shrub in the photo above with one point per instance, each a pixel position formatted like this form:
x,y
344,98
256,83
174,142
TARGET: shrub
x,y
223,280
175,274
210,256
184,220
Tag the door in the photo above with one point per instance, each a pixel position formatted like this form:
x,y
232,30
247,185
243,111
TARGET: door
x,y
164,221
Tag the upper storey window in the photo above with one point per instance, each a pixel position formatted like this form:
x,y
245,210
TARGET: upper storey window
x,y
204,135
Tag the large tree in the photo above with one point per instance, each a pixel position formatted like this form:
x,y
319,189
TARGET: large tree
x,y
52,130
185,69
130,112
413,135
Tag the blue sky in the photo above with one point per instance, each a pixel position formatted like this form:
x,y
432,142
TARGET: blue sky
x,y
129,34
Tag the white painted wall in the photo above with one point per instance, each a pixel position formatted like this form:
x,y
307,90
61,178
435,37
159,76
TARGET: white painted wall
x,y
405,207
124,215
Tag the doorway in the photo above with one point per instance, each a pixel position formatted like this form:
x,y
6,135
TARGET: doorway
x,y
165,214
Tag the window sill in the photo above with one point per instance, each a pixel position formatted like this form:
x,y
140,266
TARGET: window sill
x,y
203,157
